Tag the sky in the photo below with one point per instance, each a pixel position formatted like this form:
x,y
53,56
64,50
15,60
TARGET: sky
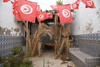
x,y
45,4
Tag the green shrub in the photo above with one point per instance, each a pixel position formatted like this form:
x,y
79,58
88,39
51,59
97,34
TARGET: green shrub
x,y
1,60
17,50
17,59
7,64
26,63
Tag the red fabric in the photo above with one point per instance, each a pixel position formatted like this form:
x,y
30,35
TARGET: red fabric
x,y
65,14
15,11
42,16
78,2
5,0
89,3
38,8
49,15
25,10
54,7
57,14
75,5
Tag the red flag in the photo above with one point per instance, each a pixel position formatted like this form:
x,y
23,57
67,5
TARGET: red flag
x,y
49,15
78,2
15,11
42,16
26,10
38,8
15,6
57,14
54,7
65,14
89,3
5,0
75,5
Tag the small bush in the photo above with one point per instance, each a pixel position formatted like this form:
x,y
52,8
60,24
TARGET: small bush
x,y
26,63
1,60
17,59
17,50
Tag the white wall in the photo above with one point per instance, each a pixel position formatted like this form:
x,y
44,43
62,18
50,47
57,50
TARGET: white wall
x,y
7,22
86,20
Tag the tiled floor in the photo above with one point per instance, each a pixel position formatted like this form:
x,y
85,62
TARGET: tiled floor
x,y
48,60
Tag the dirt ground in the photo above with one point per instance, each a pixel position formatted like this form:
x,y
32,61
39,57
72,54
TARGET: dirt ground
x,y
48,60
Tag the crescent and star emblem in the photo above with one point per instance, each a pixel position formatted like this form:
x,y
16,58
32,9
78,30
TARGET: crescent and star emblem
x,y
41,16
65,13
89,3
26,9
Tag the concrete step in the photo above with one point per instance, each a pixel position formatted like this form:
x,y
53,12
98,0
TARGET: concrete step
x,y
83,60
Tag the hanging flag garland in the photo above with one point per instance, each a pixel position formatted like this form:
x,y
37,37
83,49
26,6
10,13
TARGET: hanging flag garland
x,y
29,11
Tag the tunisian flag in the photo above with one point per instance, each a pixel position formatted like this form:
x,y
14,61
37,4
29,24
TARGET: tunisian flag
x,y
15,12
75,5
49,15
38,8
25,10
89,3
41,16
65,14
5,0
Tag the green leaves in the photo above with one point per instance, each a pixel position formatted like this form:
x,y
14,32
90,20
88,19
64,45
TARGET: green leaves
x,y
26,64
16,50
59,2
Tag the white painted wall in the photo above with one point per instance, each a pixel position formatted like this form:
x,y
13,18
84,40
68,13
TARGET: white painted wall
x,y
86,20
7,18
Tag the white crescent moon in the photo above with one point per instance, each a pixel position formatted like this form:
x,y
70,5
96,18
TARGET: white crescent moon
x,y
65,13
89,3
74,5
41,16
26,9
